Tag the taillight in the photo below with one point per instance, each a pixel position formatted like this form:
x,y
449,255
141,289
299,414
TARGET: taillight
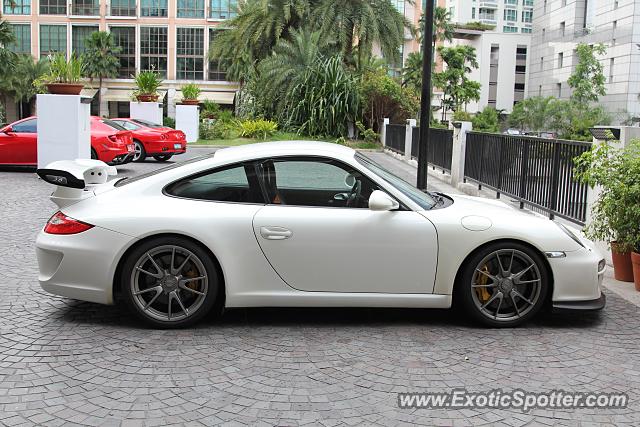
x,y
59,223
113,138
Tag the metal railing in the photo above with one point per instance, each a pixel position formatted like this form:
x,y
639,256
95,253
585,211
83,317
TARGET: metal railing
x,y
439,150
394,138
537,172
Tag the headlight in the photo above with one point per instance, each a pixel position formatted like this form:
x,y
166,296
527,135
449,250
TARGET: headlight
x,y
570,233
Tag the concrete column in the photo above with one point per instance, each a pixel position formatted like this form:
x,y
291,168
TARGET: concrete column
x,y
383,131
408,138
171,103
150,111
64,129
104,104
459,151
187,120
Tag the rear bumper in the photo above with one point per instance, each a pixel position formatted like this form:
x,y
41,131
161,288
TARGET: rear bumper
x,y
121,159
580,306
164,147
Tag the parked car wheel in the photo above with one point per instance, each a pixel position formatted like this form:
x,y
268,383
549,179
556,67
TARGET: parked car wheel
x,y
163,157
140,154
503,285
170,282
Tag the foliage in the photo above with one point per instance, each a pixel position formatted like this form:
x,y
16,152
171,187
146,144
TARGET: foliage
x,y
488,120
3,114
382,96
7,57
210,110
616,212
100,60
341,140
325,100
458,90
169,122
219,125
63,71
479,26
147,82
190,91
588,80
368,134
412,71
25,81
258,128
462,116
572,120
532,114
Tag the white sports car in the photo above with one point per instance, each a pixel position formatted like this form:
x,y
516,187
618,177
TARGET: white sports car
x,y
301,224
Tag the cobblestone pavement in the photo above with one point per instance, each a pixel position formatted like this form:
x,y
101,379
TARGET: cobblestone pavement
x,y
69,362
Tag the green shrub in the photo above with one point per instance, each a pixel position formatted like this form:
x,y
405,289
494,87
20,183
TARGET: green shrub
x,y
190,91
147,82
487,120
258,128
210,110
341,141
462,116
63,71
217,129
169,122
369,135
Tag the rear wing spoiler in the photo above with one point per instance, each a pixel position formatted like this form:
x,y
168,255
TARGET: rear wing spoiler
x,y
75,179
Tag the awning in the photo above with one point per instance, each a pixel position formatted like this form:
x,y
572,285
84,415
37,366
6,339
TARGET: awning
x,y
88,92
217,97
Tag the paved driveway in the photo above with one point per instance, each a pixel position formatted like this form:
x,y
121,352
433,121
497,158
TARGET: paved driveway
x,y
64,362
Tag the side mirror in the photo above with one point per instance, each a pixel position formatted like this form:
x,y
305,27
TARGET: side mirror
x,y
381,201
7,130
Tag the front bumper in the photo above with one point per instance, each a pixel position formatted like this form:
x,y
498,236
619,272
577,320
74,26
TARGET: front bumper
x,y
580,306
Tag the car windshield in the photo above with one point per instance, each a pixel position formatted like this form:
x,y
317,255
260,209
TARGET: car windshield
x,y
146,123
424,200
113,124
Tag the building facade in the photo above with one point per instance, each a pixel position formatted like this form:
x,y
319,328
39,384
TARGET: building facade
x,y
560,25
507,16
171,37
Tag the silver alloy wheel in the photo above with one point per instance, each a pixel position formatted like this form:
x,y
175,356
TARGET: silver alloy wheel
x,y
169,283
506,285
137,151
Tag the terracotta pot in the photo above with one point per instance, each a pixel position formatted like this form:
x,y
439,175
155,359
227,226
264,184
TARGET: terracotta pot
x,y
147,97
189,102
65,88
635,261
622,268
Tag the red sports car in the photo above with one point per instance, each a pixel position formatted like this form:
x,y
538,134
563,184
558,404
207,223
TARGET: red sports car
x,y
110,142
154,140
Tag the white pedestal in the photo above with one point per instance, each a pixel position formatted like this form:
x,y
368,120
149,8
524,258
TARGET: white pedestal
x,y
150,111
188,121
64,128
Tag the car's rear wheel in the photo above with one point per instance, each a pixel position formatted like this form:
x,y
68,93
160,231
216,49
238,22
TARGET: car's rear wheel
x,y
163,157
503,285
170,282
139,153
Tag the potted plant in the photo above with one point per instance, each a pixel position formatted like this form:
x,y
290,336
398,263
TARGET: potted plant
x,y
190,94
64,76
147,84
616,213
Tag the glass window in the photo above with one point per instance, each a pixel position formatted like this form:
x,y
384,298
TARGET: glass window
x,y
528,2
216,71
127,125
53,7
153,8
190,8
125,37
513,2
23,38
510,15
526,30
190,54
527,16
223,9
79,35
226,185
315,182
123,7
53,39
17,7
509,29
153,50
28,126
147,123
85,7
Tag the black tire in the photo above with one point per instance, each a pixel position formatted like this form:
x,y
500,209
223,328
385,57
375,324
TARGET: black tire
x,y
143,152
522,296
94,155
134,280
163,157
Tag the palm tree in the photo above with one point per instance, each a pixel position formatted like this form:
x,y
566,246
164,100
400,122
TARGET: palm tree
x,y
20,83
7,56
99,59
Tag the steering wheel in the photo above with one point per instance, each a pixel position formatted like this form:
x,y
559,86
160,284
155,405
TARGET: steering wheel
x,y
354,194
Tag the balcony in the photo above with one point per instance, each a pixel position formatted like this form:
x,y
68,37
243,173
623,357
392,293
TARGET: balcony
x,y
488,4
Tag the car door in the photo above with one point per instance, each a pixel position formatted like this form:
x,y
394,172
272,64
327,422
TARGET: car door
x,y
319,235
19,146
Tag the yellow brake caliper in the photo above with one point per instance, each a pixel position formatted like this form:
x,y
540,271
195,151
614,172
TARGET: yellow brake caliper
x,y
483,293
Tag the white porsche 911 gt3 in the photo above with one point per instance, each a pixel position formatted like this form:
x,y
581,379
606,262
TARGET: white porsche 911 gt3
x,y
301,224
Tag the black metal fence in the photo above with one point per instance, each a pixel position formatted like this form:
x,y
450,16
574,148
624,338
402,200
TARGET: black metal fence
x,y
394,138
439,150
536,171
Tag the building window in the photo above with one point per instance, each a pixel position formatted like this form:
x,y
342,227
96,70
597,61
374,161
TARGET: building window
x,y
53,7
85,7
79,35
190,54
487,14
521,69
19,7
542,63
123,7
509,29
510,15
23,38
560,60
611,67
223,9
216,71
528,2
125,37
563,27
519,87
559,89
473,13
153,50
521,54
190,8
525,30
153,8
53,39
527,16
511,2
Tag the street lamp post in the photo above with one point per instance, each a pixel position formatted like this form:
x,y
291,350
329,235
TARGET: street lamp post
x,y
425,99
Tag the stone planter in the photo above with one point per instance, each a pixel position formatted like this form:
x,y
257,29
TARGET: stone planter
x,y
622,267
147,97
189,102
65,88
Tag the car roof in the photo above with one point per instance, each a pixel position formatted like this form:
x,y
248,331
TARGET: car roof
x,y
283,148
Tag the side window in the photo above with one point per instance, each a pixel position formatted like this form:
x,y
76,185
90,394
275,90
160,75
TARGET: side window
x,y
315,182
129,126
28,126
225,185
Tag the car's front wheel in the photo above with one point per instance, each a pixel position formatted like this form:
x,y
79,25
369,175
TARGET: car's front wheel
x,y
163,157
503,285
170,282
140,154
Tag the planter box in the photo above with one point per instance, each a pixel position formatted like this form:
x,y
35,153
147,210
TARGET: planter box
x,y
188,121
150,111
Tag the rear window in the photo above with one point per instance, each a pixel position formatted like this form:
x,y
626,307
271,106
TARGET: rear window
x,y
113,124
128,180
147,123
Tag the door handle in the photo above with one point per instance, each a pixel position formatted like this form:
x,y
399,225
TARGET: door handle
x,y
275,233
